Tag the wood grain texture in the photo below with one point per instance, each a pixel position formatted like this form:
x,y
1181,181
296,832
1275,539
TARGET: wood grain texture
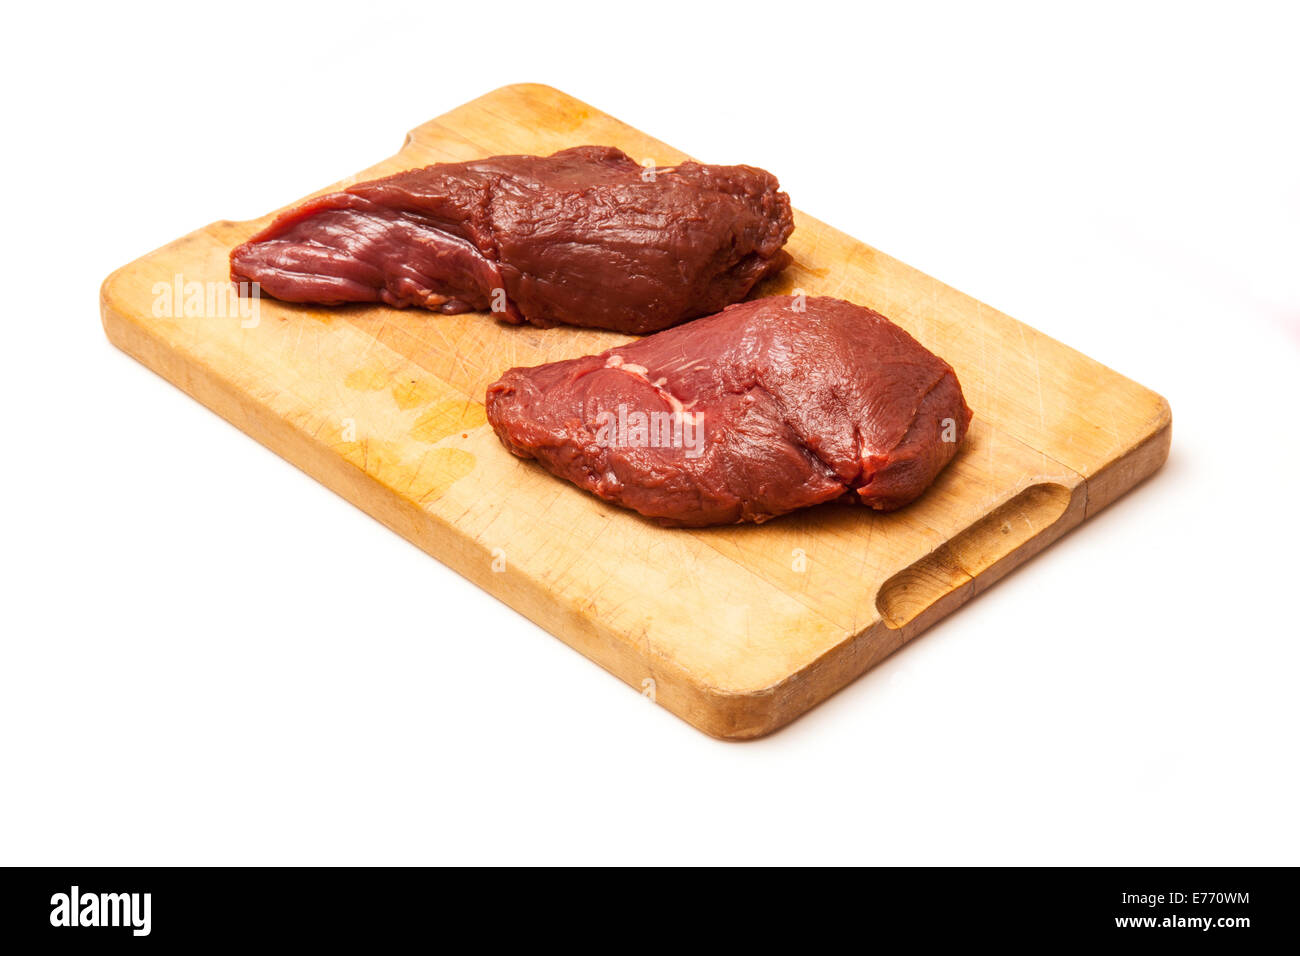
x,y
737,630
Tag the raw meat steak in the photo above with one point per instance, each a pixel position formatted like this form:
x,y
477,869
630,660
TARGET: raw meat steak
x,y
766,407
584,237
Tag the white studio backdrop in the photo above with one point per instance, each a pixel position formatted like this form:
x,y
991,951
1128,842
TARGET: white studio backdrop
x,y
208,658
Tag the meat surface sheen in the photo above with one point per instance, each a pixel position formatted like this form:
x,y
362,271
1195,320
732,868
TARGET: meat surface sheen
x,y
583,237
766,407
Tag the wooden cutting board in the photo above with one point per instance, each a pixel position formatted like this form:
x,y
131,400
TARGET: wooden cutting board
x,y
737,630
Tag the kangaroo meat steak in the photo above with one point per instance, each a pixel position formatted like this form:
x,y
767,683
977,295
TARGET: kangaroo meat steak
x,y
763,408
583,237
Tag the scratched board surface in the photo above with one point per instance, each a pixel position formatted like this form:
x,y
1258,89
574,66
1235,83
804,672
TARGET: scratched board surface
x,y
737,630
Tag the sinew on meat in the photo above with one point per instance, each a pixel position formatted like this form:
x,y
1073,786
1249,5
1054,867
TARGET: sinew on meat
x,y
582,237
767,407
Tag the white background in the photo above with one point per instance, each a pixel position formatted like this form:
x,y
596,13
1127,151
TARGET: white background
x,y
208,658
